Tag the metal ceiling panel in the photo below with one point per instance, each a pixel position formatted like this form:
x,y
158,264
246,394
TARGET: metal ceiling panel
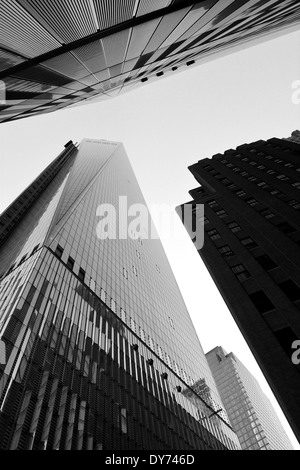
x,y
147,6
112,12
70,19
115,47
92,56
8,60
20,32
68,65
140,37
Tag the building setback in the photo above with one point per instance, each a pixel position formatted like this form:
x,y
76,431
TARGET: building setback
x,y
250,412
96,344
252,251
55,54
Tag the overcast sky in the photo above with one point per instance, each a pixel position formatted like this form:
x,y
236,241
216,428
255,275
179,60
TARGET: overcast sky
x,y
165,127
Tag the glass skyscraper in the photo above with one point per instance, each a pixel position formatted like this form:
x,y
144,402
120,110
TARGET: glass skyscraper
x,y
252,251
56,53
97,349
250,412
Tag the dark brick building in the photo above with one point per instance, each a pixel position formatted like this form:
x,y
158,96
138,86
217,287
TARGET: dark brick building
x,y
252,251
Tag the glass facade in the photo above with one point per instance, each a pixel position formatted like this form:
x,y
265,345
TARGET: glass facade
x,y
57,54
100,351
249,409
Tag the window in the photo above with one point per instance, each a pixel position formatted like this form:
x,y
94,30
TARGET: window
x,y
123,316
241,272
294,203
248,242
92,285
81,274
291,290
214,234
285,227
261,301
113,305
59,251
212,203
123,420
296,184
240,193
283,177
262,184
125,273
252,202
232,186
225,181
252,178
70,263
234,227
267,213
266,262
221,213
271,172
225,250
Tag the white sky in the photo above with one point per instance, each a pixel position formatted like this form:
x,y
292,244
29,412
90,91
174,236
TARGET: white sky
x,y
166,126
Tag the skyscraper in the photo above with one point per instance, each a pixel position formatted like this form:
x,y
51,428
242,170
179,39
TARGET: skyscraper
x,y
250,412
57,53
97,348
252,251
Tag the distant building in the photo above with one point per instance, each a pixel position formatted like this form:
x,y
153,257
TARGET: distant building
x,y
295,137
252,251
250,412
96,344
55,54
